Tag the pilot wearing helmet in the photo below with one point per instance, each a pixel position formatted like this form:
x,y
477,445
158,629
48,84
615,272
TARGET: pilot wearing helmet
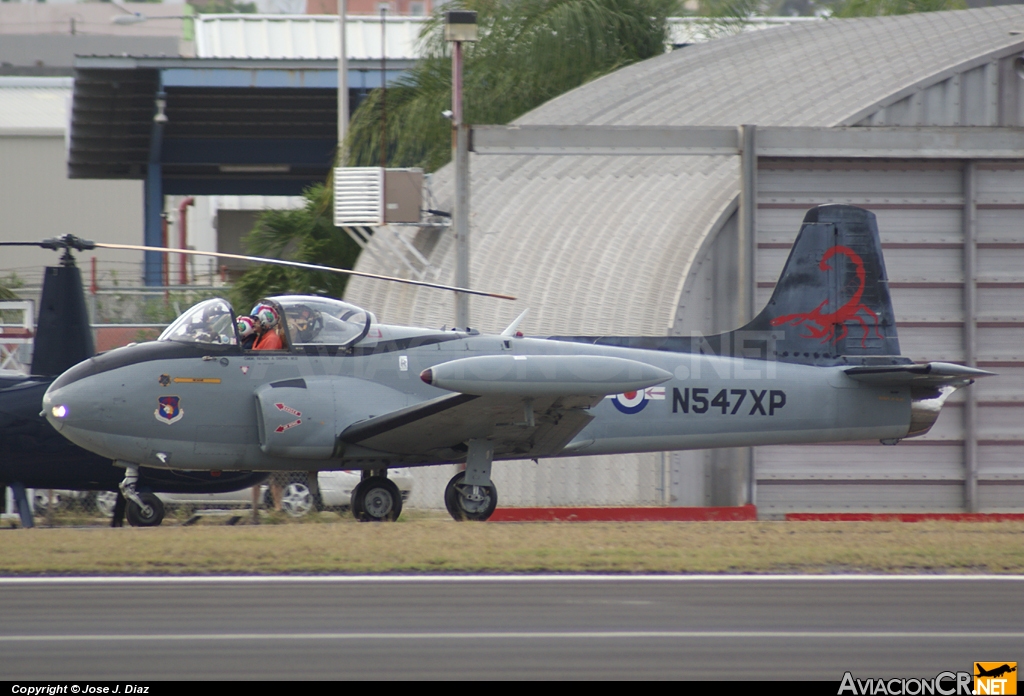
x,y
269,322
304,323
247,331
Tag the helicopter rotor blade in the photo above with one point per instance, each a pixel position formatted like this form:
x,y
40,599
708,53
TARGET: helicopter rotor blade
x,y
307,266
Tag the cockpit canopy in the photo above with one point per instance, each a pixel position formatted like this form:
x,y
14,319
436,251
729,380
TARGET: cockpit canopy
x,y
308,320
323,321
211,321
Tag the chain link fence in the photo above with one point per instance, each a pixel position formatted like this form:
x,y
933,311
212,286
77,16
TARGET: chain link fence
x,y
304,497
285,497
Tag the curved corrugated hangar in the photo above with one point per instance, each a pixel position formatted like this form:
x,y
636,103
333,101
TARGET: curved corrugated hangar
x,y
907,116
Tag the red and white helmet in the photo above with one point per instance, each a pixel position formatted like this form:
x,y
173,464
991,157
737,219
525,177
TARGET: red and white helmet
x,y
266,316
246,326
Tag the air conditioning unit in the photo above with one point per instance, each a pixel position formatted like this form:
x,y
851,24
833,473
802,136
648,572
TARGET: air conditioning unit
x,y
373,196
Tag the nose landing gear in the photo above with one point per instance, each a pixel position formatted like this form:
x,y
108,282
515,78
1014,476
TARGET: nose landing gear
x,y
143,509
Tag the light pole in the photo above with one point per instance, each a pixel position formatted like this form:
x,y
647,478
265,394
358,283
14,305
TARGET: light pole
x,y
342,84
460,26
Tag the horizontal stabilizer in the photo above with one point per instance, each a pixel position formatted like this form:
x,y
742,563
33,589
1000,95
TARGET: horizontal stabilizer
x,y
544,375
927,374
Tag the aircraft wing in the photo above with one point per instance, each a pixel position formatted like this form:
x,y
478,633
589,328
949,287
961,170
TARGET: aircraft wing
x,y
934,374
527,405
441,426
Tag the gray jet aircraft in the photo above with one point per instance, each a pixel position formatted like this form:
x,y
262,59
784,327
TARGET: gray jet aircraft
x,y
820,363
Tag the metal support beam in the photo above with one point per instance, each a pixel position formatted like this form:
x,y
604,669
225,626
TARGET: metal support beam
x,y
460,220
460,213
747,250
747,245
938,142
154,193
605,140
342,84
970,225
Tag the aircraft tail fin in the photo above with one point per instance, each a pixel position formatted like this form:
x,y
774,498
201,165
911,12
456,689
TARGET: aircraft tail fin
x,y
832,299
831,305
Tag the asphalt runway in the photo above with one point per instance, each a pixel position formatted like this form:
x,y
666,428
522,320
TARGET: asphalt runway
x,y
719,628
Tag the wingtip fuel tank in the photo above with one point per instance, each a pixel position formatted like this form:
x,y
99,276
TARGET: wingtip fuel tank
x,y
544,375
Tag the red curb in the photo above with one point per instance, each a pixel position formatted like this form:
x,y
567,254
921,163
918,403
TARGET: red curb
x,y
904,517
626,514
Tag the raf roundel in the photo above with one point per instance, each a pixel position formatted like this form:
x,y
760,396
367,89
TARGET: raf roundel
x,y
634,401
630,402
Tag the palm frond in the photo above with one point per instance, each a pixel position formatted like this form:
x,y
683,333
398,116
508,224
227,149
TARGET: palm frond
x,y
529,52
307,234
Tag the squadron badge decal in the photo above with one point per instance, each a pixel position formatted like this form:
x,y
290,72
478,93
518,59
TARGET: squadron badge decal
x,y
169,409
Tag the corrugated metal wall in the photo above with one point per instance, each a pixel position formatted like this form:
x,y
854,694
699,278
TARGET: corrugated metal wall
x,y
921,208
989,93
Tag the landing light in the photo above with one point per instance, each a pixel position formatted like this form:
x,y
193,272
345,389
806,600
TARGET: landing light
x,y
59,411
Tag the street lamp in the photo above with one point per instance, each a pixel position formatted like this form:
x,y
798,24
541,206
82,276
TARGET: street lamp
x,y
460,26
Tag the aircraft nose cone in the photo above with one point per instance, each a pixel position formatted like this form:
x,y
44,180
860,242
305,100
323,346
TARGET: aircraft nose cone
x,y
54,408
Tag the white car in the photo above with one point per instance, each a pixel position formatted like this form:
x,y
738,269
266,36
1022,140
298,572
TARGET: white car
x,y
297,499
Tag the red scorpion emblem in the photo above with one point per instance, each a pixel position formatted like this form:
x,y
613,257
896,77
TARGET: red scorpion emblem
x,y
823,325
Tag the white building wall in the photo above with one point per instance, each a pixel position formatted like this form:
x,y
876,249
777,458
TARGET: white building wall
x,y
37,200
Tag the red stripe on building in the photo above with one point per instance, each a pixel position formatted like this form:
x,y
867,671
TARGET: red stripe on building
x,y
625,514
904,517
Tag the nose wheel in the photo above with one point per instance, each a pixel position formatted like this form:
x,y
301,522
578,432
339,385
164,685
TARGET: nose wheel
x,y
151,515
376,499
469,503
142,509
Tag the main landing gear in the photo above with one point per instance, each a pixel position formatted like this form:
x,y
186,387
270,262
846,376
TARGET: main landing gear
x,y
376,498
466,502
471,495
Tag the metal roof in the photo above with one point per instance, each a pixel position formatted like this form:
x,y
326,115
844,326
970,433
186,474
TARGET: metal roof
x,y
234,126
228,129
34,105
604,244
684,31
316,36
304,36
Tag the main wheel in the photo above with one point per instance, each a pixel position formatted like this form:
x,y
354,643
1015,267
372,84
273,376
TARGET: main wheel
x,y
151,517
376,499
465,502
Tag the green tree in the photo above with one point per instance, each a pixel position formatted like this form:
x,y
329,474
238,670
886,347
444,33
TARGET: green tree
x,y
529,52
306,234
